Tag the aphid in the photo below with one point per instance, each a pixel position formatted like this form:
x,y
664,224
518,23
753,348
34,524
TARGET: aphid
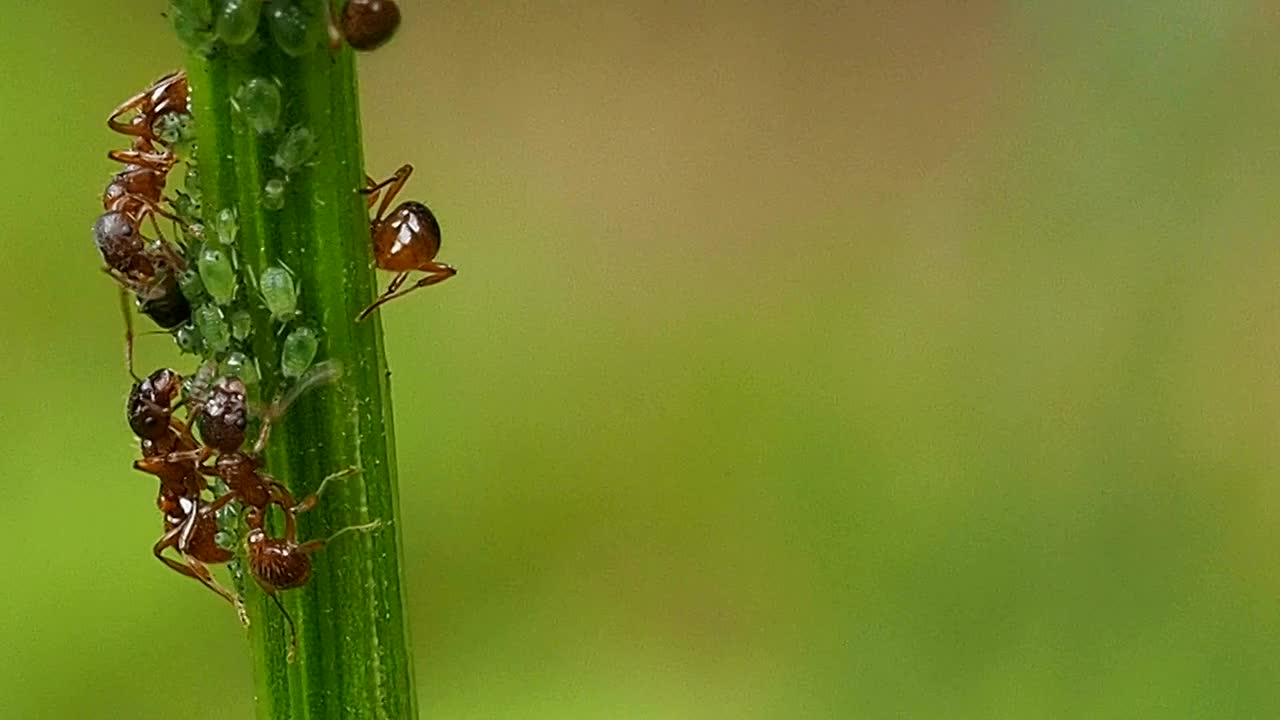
x,y
237,20
297,147
364,24
258,101
216,273
226,226
241,325
405,240
214,333
273,194
299,350
278,293
295,26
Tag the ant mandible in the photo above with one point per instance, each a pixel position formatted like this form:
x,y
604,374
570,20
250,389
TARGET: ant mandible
x,y
405,240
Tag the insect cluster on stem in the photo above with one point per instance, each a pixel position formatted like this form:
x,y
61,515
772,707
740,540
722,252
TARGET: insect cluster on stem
x,y
219,504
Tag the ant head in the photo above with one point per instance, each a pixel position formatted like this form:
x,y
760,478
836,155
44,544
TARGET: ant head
x,y
224,415
368,24
150,403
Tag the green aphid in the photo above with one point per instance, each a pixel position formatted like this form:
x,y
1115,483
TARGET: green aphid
x,y
297,147
191,183
175,129
299,350
191,286
212,328
193,23
258,101
297,26
237,20
279,293
241,325
227,226
188,339
239,365
216,272
273,194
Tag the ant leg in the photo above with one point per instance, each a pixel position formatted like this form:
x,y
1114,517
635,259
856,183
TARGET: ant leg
x,y
194,569
160,162
310,501
396,183
314,546
128,333
439,273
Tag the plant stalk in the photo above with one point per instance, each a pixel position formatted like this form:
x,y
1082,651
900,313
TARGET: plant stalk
x,y
353,656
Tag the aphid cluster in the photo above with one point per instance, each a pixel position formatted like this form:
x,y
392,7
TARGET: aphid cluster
x,y
218,503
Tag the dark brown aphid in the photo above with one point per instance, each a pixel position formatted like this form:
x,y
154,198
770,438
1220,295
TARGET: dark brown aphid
x,y
364,24
405,240
166,444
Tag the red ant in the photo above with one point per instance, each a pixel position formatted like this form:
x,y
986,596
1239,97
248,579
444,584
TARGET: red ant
x,y
222,417
148,268
188,529
364,24
405,240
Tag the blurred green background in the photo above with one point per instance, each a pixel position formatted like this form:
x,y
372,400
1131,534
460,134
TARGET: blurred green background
x,y
824,360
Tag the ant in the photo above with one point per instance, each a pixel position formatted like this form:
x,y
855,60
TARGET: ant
x,y
222,417
188,530
405,240
364,24
148,269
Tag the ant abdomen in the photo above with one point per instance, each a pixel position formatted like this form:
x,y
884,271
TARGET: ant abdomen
x,y
368,24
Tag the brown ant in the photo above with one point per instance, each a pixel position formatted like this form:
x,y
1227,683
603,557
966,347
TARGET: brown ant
x,y
405,240
222,418
188,530
364,24
147,268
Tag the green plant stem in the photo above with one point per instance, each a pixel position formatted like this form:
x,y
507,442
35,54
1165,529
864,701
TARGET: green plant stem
x,y
353,657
